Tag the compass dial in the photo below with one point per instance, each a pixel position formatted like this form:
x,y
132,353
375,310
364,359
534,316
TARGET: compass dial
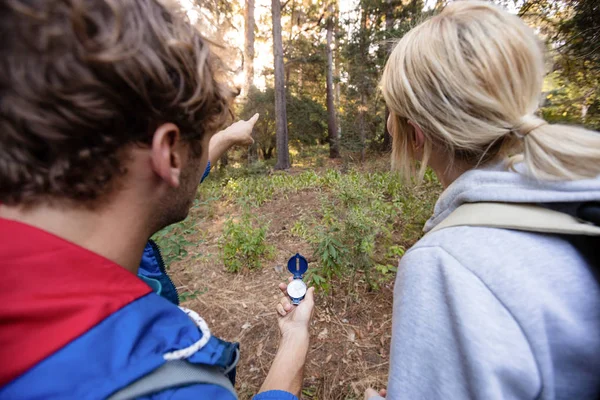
x,y
296,289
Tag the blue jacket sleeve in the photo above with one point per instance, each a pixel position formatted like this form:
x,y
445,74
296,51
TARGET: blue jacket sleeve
x,y
275,395
213,392
206,172
199,391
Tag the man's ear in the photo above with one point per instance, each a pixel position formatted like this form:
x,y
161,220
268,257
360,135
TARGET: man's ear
x,y
419,139
166,154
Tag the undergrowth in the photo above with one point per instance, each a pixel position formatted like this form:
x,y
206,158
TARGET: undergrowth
x,y
363,223
173,241
243,243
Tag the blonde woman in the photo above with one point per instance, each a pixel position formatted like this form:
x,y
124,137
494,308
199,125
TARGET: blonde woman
x,y
480,312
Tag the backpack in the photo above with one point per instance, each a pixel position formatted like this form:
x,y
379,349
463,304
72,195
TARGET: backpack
x,y
525,217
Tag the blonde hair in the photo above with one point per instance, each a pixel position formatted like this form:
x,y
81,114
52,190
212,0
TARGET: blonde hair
x,y
471,79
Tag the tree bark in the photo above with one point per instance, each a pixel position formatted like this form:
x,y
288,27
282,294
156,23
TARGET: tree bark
x,y
249,46
334,147
250,24
362,126
336,64
283,154
362,90
386,145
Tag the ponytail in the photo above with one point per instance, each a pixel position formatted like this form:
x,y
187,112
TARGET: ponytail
x,y
558,152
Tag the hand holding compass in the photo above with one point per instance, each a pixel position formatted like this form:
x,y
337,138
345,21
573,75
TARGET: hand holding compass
x,y
295,308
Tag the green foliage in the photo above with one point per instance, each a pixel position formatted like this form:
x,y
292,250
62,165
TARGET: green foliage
x,y
243,244
370,33
172,241
364,224
361,226
307,119
186,296
572,92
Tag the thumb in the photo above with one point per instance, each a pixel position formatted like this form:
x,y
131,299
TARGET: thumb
x,y
310,295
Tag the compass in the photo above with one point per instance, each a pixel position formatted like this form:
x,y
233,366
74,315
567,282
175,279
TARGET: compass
x,y
296,289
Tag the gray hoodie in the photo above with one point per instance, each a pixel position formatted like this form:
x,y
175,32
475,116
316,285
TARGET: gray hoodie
x,y
484,313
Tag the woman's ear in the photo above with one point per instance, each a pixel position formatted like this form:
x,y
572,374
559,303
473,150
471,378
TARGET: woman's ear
x,y
419,139
165,155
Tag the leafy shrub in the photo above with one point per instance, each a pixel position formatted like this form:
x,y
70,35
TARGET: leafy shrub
x,y
243,244
363,223
172,241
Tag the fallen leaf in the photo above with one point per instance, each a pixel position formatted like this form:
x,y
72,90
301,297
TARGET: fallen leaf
x,y
323,334
352,336
328,358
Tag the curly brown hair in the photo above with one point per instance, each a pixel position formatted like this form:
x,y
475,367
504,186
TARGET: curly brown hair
x,y
80,80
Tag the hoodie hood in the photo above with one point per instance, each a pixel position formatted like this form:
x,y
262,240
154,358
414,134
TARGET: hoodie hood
x,y
497,184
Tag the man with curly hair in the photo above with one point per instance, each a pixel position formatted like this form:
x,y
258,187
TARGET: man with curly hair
x,y
107,109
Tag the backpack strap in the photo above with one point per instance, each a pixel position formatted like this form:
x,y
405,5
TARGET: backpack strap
x,y
521,217
173,374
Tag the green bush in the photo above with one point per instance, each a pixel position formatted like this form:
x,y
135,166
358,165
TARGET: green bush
x,y
172,241
363,222
243,244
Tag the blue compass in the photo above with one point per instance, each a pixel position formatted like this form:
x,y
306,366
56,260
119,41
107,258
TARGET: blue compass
x,y
296,289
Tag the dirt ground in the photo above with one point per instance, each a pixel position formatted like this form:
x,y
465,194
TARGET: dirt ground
x,y
350,333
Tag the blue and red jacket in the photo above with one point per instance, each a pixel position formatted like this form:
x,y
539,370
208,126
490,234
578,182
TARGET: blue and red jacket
x,y
75,325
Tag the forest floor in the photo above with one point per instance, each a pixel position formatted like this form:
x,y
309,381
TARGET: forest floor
x,y
351,330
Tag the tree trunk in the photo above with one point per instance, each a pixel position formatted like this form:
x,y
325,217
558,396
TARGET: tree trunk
x,y
334,147
336,63
249,66
249,46
362,126
386,145
268,153
283,153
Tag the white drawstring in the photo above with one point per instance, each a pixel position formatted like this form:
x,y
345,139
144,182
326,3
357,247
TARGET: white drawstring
x,y
191,350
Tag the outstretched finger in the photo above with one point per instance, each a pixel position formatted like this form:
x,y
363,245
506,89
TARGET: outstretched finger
x,y
254,119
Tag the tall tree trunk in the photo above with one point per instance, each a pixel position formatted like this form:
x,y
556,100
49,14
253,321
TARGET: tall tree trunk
x,y
386,145
249,46
334,147
249,65
283,153
362,126
336,64
362,90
